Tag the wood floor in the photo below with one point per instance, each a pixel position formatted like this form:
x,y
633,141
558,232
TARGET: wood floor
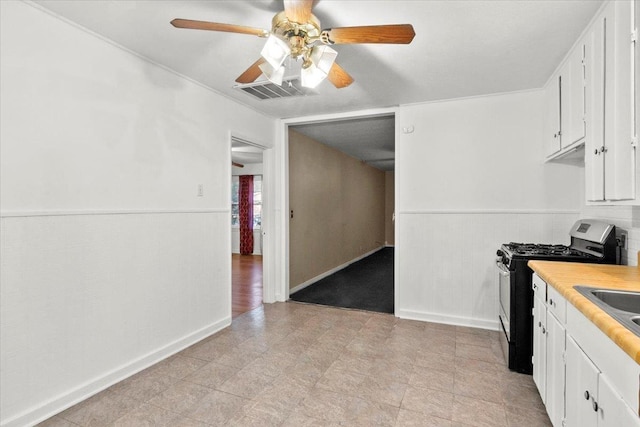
x,y
246,282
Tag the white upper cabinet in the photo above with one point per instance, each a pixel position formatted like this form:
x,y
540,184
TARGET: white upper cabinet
x,y
610,150
565,104
591,100
552,119
593,158
573,126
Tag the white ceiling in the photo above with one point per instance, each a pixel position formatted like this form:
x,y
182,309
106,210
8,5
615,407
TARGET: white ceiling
x,y
461,48
245,154
354,137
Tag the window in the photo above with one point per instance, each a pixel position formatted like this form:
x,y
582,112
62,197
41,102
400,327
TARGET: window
x,y
257,201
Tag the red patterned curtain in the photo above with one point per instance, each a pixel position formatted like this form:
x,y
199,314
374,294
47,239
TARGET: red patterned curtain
x,y
246,214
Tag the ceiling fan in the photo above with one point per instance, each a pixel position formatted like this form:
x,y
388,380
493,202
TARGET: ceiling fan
x,y
296,33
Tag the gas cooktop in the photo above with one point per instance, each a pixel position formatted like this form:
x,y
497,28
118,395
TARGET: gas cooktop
x,y
526,249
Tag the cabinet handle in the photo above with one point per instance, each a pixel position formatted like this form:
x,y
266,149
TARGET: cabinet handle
x,y
550,301
595,406
539,324
544,330
603,149
595,151
586,394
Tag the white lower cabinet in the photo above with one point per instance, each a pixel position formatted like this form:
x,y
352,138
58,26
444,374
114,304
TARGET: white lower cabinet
x,y
555,370
584,379
612,410
582,387
591,399
540,339
548,350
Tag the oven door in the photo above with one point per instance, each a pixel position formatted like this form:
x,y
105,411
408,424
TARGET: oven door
x,y
504,278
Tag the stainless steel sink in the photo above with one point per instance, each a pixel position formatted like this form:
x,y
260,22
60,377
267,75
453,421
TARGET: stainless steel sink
x,y
624,306
622,300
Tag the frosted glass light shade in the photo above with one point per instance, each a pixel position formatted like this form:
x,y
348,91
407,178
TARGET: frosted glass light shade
x,y
275,51
275,76
311,76
322,59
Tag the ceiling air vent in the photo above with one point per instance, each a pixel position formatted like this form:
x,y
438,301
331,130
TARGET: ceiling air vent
x,y
267,90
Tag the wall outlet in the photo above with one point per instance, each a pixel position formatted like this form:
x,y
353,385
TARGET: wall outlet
x,y
200,190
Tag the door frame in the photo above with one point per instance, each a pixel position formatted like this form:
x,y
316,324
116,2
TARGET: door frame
x,y
267,207
281,240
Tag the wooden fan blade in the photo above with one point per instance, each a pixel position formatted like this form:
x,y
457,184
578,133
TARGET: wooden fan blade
x,y
236,164
393,34
251,73
339,77
298,10
215,26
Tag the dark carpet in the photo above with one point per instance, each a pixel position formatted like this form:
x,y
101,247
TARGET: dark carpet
x,y
364,285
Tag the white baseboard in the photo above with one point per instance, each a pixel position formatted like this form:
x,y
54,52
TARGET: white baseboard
x,y
313,280
492,325
94,386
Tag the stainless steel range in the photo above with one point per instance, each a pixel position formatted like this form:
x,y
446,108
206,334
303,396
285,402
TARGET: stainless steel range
x,y
591,241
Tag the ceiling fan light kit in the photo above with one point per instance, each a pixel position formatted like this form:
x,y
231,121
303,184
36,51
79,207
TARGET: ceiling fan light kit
x,y
275,76
317,67
296,33
275,51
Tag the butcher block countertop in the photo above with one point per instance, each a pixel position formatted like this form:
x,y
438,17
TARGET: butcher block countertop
x,y
565,275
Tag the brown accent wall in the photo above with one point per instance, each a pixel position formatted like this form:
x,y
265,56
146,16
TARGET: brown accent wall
x,y
338,205
389,208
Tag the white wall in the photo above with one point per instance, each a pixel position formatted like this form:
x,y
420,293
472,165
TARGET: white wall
x,y
469,178
110,261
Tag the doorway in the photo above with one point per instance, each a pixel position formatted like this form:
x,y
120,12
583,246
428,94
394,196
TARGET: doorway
x,y
341,204
246,226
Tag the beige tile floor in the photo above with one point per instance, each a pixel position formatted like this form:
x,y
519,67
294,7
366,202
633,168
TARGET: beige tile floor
x,y
292,364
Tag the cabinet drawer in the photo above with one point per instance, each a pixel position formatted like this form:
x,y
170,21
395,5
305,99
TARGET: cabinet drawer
x,y
557,304
539,287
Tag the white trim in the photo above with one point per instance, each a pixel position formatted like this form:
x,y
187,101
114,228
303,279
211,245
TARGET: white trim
x,y
487,211
491,325
330,272
88,389
348,115
281,230
71,212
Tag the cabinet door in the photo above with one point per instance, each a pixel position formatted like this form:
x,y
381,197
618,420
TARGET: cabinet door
x,y
539,343
575,93
582,388
565,104
555,400
552,103
593,157
620,160
612,410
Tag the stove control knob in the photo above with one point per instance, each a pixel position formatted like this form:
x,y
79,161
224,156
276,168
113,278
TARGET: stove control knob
x,y
500,253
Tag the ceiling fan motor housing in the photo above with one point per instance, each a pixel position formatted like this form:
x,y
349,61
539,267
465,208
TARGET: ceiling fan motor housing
x,y
299,35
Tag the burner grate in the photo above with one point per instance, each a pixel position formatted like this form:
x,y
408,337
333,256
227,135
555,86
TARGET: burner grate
x,y
542,249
